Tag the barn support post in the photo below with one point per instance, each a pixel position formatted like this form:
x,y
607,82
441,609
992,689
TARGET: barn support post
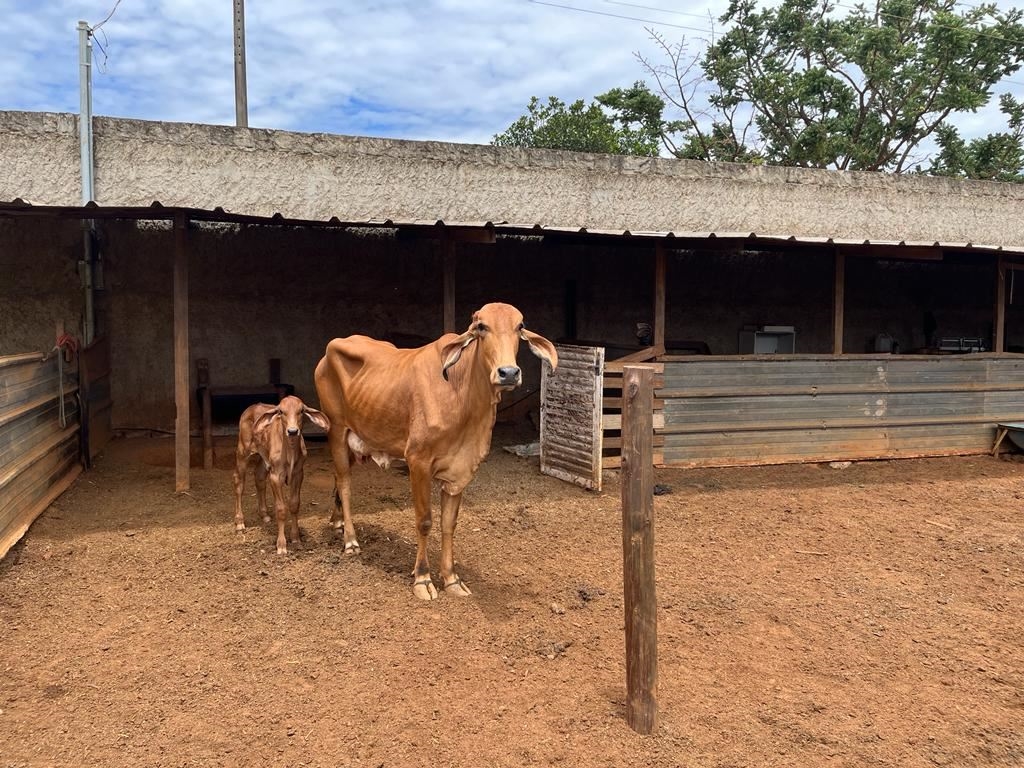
x,y
838,299
659,296
999,322
181,349
638,548
448,266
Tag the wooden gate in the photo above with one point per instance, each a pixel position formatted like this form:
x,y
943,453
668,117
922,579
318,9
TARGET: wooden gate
x,y
570,416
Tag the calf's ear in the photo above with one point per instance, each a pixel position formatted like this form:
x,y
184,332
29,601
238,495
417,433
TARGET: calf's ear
x,y
541,347
317,417
452,351
264,420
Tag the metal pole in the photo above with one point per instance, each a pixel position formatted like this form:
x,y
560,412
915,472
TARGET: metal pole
x,y
86,162
85,108
241,103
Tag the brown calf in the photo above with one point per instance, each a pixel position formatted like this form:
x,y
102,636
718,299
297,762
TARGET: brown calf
x,y
270,441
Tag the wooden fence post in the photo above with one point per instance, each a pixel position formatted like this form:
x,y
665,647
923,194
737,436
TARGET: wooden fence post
x,y
638,548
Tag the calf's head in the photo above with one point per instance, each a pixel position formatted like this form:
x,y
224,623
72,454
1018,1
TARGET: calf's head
x,y
291,411
497,330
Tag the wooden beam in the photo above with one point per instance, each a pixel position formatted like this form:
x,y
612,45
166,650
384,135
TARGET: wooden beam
x,y
448,258
838,302
641,616
999,330
659,296
181,350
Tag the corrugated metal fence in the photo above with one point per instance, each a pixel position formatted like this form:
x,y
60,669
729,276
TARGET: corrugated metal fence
x,y
779,409
39,458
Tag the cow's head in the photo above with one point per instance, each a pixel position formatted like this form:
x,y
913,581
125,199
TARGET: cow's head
x,y
291,410
497,330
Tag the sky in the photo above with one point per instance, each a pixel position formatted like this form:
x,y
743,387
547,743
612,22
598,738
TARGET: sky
x,y
444,70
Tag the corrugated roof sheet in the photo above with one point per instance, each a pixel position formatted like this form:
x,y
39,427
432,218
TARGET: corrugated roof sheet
x,y
157,211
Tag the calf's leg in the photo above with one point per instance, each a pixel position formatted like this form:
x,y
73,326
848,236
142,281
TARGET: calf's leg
x,y
260,475
294,503
280,510
241,467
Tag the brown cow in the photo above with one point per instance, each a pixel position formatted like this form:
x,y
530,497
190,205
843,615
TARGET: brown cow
x,y
427,407
270,440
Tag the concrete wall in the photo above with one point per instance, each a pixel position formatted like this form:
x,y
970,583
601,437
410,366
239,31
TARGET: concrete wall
x,y
318,176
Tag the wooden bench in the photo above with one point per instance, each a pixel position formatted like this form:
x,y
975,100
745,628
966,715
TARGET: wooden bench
x,y
240,396
1012,428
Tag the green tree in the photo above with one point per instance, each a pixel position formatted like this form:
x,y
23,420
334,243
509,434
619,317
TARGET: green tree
x,y
995,157
798,84
630,125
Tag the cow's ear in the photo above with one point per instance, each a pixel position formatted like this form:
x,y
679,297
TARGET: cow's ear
x,y
264,420
317,417
453,351
541,347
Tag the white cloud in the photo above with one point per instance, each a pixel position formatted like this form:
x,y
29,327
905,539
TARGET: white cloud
x,y
450,70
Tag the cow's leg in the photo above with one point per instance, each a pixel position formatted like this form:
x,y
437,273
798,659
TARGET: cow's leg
x,y
280,510
453,585
241,467
294,497
260,475
337,440
419,476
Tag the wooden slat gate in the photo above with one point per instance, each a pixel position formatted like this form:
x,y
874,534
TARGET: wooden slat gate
x,y
570,416
39,445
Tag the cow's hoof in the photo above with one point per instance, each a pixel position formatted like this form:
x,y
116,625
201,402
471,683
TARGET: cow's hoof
x,y
282,550
352,548
239,526
266,518
425,590
458,588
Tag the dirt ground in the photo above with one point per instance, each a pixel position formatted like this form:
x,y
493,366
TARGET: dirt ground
x,y
808,616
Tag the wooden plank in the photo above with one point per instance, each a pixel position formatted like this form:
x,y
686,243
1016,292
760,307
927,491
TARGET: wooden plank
x,y
615,420
638,569
641,355
449,263
838,302
999,342
615,461
182,481
94,379
659,296
658,441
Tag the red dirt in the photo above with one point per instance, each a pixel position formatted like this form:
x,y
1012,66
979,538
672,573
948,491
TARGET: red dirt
x,y
808,616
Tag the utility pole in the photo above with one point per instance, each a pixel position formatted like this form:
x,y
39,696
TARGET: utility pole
x,y
85,266
241,105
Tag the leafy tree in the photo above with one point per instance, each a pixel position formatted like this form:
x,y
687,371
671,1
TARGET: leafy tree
x,y
634,129
996,157
798,84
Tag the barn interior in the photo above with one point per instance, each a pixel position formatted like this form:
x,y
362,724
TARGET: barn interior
x,y
264,297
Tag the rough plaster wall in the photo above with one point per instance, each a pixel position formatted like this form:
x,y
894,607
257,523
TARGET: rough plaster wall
x,y
39,284
318,176
39,158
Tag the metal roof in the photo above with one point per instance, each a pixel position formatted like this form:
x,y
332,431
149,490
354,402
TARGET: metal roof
x,y
156,211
